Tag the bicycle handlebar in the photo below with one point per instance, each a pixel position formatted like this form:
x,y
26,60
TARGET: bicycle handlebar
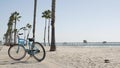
x,y
23,28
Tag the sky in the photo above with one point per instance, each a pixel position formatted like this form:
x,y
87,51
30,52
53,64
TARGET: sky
x,y
76,20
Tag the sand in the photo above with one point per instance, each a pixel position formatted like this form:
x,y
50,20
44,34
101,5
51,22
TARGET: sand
x,y
68,57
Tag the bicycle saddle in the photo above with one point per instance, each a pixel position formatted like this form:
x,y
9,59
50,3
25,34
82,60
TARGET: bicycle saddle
x,y
31,39
20,33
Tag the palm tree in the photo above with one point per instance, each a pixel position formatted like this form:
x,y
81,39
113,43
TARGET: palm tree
x,y
29,26
16,18
49,18
53,46
47,15
34,19
8,34
5,38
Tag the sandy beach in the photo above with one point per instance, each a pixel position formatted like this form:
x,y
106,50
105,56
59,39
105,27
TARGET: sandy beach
x,y
68,57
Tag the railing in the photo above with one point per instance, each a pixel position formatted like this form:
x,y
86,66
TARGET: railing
x,y
88,44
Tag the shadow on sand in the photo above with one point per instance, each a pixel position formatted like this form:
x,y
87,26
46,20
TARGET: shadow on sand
x,y
16,62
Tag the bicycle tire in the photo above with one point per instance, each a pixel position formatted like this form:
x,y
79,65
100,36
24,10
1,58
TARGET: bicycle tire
x,y
15,53
41,54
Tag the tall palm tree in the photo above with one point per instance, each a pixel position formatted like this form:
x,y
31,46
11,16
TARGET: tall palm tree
x,y
47,15
5,38
53,46
49,18
29,26
16,18
8,33
34,19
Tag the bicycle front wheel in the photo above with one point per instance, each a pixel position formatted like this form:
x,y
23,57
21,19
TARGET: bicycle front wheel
x,y
16,52
39,51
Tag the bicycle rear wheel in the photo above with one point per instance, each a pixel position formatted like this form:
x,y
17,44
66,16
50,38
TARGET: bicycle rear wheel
x,y
16,52
39,51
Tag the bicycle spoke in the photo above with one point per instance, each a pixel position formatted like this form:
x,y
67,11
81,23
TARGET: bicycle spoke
x,y
16,52
39,51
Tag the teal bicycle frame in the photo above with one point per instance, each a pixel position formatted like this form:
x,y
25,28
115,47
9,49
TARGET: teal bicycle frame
x,y
30,51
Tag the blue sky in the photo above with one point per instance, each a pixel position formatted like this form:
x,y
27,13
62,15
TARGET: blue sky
x,y
76,20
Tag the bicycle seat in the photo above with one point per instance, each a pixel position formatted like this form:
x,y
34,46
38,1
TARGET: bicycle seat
x,y
31,39
20,33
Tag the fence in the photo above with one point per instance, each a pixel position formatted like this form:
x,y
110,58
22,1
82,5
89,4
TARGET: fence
x,y
88,44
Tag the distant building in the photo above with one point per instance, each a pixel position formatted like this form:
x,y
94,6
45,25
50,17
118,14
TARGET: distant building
x,y
84,41
104,42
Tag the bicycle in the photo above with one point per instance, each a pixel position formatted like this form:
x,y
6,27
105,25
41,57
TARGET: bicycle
x,y
18,51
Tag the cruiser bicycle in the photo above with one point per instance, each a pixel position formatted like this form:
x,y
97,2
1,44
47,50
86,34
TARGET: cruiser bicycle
x,y
18,51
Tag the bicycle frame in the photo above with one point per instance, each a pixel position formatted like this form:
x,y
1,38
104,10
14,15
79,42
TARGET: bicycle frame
x,y
25,42
21,42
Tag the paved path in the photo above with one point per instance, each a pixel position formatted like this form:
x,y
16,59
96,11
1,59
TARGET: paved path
x,y
6,62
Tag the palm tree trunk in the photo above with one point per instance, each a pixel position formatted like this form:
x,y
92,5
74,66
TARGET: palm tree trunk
x,y
15,32
53,47
10,39
49,32
10,36
45,32
34,19
6,38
